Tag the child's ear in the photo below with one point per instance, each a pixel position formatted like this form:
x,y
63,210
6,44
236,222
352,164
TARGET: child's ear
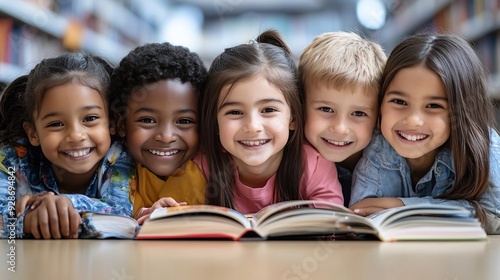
x,y
31,132
112,126
120,125
293,125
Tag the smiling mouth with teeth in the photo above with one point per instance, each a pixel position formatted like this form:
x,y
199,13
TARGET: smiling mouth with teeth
x,y
254,143
160,153
338,143
78,153
412,138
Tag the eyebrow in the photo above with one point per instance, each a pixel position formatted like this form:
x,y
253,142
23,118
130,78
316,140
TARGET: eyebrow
x,y
85,108
260,102
150,110
330,103
364,108
432,97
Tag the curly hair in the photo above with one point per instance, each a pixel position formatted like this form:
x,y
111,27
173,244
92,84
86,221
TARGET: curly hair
x,y
151,63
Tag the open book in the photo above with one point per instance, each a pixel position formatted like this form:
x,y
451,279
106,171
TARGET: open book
x,y
311,218
104,226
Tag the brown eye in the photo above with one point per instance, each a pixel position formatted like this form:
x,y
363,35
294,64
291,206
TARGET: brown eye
x,y
359,114
398,101
326,109
90,118
146,120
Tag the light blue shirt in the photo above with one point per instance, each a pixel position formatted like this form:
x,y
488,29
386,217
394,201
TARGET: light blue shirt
x,y
382,172
24,170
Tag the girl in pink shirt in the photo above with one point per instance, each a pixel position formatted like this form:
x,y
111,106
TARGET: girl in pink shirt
x,y
251,138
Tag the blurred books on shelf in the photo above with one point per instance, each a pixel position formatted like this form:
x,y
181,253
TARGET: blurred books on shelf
x,y
477,20
32,30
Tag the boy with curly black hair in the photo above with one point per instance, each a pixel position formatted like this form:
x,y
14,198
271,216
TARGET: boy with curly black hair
x,y
155,94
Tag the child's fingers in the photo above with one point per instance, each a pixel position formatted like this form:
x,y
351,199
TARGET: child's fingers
x,y
35,200
63,222
31,224
54,221
68,218
142,211
74,222
21,204
165,202
30,200
41,223
142,219
366,211
359,211
183,203
35,230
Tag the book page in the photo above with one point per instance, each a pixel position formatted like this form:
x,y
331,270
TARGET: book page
x,y
284,206
204,225
308,217
388,216
312,221
427,222
100,225
209,210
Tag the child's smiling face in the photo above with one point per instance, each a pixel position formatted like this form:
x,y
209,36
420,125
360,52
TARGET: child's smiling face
x,y
340,123
254,122
161,125
72,128
415,117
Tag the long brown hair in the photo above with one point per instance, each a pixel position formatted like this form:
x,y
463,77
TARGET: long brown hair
x,y
269,56
471,113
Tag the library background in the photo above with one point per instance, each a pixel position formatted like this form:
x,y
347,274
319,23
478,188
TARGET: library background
x,y
31,30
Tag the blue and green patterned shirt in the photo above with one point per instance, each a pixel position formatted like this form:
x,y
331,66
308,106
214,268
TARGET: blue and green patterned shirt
x,y
24,170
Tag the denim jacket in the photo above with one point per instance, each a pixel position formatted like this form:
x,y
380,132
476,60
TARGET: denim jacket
x,y
24,170
381,172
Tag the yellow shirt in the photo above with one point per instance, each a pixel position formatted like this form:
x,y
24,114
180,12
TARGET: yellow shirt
x,y
187,184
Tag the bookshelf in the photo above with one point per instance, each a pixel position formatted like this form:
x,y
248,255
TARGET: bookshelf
x,y
31,30
408,18
476,20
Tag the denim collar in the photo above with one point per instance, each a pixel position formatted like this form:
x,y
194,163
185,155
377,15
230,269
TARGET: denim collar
x,y
390,159
46,176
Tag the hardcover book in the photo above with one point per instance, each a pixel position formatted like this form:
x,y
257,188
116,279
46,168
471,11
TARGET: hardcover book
x,y
312,218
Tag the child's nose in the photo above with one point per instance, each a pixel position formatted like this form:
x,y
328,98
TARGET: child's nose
x,y
414,119
76,134
253,124
166,134
340,126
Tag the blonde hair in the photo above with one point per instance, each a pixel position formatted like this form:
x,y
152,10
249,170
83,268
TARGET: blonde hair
x,y
341,60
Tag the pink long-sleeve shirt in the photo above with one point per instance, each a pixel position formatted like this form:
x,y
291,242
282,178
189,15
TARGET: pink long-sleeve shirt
x,y
319,181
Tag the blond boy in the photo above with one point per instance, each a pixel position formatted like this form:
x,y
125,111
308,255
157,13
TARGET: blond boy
x,y
340,74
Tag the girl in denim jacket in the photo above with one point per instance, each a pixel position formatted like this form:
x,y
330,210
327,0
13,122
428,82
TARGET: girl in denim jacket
x,y
57,155
437,142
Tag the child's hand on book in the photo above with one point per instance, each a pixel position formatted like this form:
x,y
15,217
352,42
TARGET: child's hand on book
x,y
53,217
144,212
29,200
369,206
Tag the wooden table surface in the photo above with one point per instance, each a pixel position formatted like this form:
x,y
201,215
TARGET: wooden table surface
x,y
297,260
